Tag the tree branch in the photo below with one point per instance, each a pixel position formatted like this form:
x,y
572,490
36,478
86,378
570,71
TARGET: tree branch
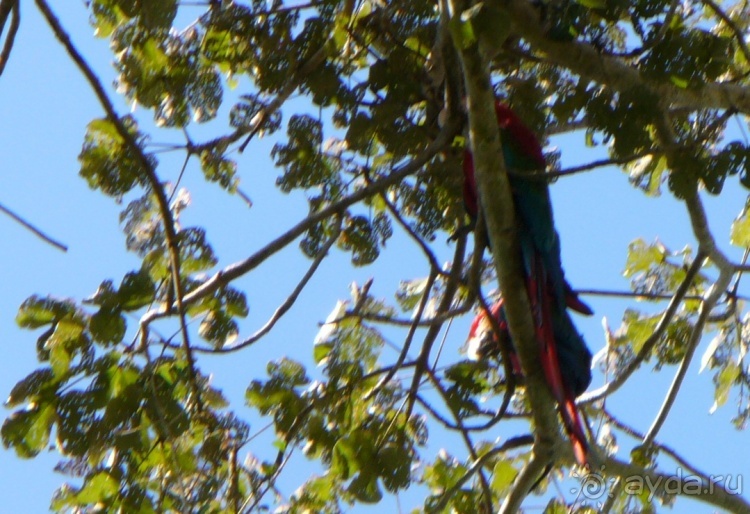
x,y
497,206
649,481
287,304
409,335
510,444
236,270
406,322
707,305
525,480
151,176
588,62
451,286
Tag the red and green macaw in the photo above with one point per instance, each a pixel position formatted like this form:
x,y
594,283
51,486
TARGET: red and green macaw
x,y
566,360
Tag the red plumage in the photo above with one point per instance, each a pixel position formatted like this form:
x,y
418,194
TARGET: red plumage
x,y
549,293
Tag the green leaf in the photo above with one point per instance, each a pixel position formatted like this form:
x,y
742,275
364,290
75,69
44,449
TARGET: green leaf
x,y
679,82
593,4
555,506
107,162
218,328
120,376
68,332
323,84
443,473
59,359
647,173
288,372
302,160
136,290
167,416
462,31
158,15
360,133
503,475
36,312
490,24
394,464
98,488
153,54
142,225
246,114
724,381
104,295
359,237
642,456
344,458
40,381
642,257
129,8
410,293
740,231
639,327
218,168
364,487
236,302
107,326
28,431
195,252
279,391
321,351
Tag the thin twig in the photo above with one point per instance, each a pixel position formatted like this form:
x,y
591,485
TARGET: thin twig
x,y
282,309
739,35
245,197
405,322
659,331
510,444
410,335
695,338
487,496
668,450
505,353
523,483
700,228
611,293
619,161
451,287
14,8
33,229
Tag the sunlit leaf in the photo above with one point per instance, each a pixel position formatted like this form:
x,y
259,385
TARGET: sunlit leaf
x,y
28,431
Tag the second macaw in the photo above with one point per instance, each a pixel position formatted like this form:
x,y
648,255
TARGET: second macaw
x,y
566,360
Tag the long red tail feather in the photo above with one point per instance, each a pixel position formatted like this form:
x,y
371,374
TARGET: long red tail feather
x,y
541,305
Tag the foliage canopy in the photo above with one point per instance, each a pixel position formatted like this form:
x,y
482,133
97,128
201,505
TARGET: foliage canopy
x,y
139,426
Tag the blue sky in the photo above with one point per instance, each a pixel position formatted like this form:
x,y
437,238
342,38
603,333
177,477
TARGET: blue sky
x,y
44,107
